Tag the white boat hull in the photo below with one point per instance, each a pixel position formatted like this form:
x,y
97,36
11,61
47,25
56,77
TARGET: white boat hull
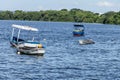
x,y
33,51
89,41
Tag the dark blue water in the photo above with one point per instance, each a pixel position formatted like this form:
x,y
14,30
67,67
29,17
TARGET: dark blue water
x,y
64,59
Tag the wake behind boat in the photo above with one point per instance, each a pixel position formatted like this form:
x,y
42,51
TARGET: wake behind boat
x,y
26,46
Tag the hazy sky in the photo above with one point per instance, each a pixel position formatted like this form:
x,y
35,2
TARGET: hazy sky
x,y
100,6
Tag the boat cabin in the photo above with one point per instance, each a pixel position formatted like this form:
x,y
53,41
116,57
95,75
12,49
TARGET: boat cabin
x,y
78,30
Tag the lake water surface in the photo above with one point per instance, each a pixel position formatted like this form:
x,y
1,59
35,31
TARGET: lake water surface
x,y
64,59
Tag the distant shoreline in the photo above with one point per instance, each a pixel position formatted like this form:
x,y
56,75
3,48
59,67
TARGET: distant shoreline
x,y
63,15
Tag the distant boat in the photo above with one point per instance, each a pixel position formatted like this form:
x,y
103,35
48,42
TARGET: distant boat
x,y
78,30
27,47
86,41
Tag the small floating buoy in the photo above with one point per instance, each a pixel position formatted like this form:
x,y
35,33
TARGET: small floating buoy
x,y
18,52
44,39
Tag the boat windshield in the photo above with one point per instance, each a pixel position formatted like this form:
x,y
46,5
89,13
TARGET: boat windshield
x,y
78,27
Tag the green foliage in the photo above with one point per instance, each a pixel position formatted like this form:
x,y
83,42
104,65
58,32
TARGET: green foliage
x,y
73,15
6,15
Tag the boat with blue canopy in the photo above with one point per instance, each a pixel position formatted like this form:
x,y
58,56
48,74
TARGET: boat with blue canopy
x,y
78,30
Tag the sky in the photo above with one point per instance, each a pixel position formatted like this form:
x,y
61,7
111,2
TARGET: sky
x,y
96,6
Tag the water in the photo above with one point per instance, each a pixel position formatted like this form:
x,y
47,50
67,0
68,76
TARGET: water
x,y
64,59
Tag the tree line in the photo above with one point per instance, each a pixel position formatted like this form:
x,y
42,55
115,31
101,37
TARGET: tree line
x,y
64,15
